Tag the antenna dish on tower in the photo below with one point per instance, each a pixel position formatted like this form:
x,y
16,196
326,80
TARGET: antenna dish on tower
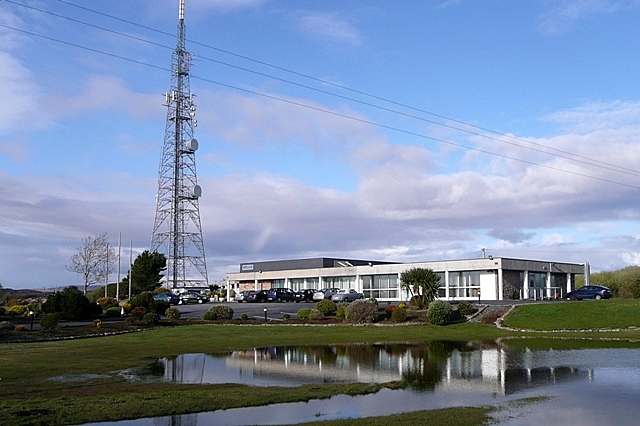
x,y
192,145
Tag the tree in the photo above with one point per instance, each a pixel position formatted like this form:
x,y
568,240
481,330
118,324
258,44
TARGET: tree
x,y
146,272
421,282
3,295
90,260
70,303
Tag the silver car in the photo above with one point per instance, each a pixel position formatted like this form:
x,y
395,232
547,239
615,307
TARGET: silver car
x,y
347,296
324,293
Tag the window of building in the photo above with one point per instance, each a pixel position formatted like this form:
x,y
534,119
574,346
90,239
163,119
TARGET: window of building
x,y
339,282
298,284
380,286
464,284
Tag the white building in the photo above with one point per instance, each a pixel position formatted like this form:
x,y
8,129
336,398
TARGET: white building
x,y
471,279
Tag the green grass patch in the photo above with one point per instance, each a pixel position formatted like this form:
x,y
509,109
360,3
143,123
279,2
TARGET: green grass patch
x,y
578,315
30,397
459,416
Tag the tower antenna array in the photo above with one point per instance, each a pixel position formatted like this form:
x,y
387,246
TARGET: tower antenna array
x,y
177,230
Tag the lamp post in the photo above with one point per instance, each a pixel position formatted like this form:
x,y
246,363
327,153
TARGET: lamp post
x,y
31,315
265,314
478,296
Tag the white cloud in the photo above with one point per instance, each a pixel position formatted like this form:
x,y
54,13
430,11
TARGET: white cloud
x,y
564,14
102,93
329,26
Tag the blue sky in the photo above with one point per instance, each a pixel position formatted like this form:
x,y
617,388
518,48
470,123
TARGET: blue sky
x,y
402,131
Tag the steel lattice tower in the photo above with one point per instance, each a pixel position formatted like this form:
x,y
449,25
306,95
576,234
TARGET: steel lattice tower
x,y
177,230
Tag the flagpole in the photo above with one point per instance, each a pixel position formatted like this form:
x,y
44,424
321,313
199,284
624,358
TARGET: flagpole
x,y
119,253
130,265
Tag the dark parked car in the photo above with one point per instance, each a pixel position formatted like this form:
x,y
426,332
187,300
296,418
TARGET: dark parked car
x,y
304,295
590,292
256,296
170,298
192,297
280,295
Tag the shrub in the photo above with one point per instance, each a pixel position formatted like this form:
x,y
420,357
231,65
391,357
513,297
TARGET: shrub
x,y
158,306
172,313
465,308
50,321
143,299
402,305
630,290
151,318
316,314
341,312
286,317
138,312
415,302
326,306
388,310
107,302
17,310
304,313
113,311
20,328
70,303
219,312
244,316
6,325
362,311
374,301
439,312
399,315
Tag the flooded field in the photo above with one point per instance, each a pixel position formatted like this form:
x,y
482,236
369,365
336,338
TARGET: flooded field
x,y
590,386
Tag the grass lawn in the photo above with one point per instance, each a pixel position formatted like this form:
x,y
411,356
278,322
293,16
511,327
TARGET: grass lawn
x,y
578,315
30,397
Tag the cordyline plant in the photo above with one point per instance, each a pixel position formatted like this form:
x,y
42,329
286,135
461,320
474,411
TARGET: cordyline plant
x,y
421,282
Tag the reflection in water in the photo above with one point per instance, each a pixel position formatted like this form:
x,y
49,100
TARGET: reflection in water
x,y
437,374
474,366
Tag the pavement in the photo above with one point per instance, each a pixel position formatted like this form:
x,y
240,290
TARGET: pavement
x,y
273,311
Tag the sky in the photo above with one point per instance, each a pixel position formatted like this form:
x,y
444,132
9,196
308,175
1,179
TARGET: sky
x,y
406,131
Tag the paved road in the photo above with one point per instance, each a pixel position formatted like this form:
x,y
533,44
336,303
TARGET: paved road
x,y
253,310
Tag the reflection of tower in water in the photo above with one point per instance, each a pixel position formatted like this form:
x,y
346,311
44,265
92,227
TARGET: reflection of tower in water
x,y
177,230
188,368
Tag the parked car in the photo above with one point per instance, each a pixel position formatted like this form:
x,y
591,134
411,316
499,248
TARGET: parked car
x,y
241,296
324,293
347,296
170,298
304,295
590,292
280,295
256,296
192,297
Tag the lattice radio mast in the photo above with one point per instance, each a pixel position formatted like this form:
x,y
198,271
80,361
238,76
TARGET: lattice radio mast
x,y
177,231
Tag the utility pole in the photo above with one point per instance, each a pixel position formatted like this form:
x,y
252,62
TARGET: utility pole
x,y
177,230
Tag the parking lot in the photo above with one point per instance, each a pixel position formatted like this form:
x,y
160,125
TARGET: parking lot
x,y
253,310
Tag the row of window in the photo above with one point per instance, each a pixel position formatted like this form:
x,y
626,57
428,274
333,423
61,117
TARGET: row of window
x,y
461,284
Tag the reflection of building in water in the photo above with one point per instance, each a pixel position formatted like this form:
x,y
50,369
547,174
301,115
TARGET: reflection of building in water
x,y
504,372
489,368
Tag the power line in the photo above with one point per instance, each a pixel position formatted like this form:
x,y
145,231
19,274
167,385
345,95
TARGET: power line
x,y
541,148
300,104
